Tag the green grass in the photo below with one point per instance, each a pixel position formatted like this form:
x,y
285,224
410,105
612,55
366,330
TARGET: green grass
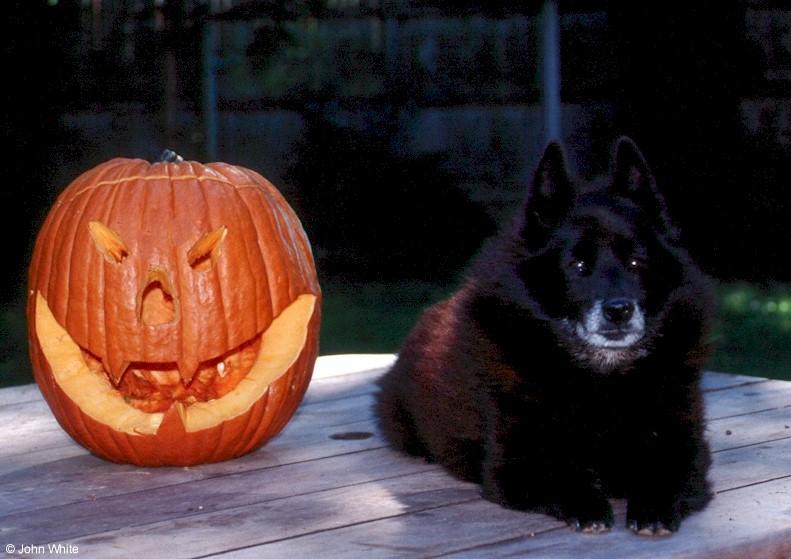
x,y
753,334
373,317
14,363
752,337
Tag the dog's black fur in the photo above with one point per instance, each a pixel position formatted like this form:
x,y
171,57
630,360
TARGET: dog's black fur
x,y
565,369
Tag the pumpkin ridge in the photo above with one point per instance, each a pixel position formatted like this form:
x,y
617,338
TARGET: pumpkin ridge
x,y
122,180
95,258
69,236
221,298
257,281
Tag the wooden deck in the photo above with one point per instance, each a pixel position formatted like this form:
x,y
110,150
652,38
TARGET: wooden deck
x,y
328,486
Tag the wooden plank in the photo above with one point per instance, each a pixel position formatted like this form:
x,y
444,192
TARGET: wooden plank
x,y
752,522
20,421
445,529
276,520
713,380
737,525
340,507
742,400
86,477
19,394
206,496
233,490
740,467
349,484
36,457
427,533
743,430
335,388
349,363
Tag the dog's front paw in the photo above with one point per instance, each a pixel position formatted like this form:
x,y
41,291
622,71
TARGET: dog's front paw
x,y
590,516
649,529
590,527
652,521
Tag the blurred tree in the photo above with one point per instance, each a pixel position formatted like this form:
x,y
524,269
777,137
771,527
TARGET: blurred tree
x,y
373,214
32,101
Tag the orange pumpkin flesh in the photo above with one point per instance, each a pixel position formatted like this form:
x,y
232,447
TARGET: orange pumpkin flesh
x,y
173,311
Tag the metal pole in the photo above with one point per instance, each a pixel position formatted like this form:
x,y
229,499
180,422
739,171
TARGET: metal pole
x,y
550,63
210,119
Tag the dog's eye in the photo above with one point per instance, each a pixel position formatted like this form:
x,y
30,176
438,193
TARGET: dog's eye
x,y
635,263
580,266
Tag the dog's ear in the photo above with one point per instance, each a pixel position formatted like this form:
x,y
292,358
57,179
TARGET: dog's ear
x,y
631,175
632,178
550,195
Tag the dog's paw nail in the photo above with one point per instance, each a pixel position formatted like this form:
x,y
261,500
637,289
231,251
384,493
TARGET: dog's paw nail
x,y
645,531
663,531
651,529
595,528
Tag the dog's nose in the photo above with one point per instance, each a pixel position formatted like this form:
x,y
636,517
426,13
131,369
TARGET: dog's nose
x,y
618,311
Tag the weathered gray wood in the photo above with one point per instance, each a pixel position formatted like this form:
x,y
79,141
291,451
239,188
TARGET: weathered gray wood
x,y
730,528
743,430
306,494
752,464
205,496
752,523
743,400
429,533
713,380
19,394
328,366
87,477
300,480
280,519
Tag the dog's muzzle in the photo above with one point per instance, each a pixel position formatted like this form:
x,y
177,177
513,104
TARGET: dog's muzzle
x,y
612,324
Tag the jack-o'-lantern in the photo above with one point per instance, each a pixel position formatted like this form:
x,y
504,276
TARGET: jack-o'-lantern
x,y
173,311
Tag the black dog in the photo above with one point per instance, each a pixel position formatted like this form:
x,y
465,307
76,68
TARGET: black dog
x,y
565,369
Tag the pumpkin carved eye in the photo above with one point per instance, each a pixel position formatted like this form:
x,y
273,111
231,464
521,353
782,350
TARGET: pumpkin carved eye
x,y
202,254
108,242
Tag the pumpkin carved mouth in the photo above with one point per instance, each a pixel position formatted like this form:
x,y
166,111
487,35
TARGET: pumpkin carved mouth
x,y
222,388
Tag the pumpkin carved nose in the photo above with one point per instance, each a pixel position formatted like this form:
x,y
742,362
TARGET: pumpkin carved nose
x,y
156,304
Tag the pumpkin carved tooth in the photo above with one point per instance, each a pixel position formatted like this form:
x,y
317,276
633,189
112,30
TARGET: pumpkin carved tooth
x,y
198,281
188,366
116,366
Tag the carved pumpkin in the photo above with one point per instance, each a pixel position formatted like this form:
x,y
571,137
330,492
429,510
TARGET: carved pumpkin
x,y
173,311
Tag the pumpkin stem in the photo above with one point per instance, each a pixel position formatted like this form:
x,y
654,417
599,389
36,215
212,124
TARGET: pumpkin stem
x,y
170,156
